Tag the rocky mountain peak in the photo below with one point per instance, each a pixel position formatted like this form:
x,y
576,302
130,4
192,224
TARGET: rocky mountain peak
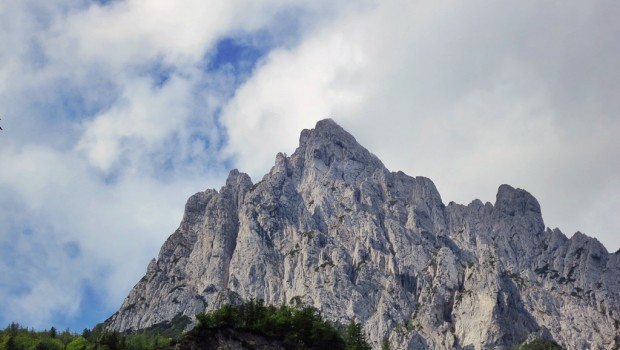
x,y
326,130
237,184
331,227
329,147
513,201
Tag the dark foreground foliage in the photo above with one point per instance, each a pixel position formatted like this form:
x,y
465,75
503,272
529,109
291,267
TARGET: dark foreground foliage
x,y
540,344
291,327
16,337
252,323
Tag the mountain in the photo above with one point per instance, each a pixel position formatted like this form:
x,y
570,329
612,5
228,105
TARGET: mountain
x,y
331,227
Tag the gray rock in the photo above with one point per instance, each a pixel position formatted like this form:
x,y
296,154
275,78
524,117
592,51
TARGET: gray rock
x,y
331,227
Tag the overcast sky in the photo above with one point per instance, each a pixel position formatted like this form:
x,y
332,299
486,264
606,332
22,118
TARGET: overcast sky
x,y
115,112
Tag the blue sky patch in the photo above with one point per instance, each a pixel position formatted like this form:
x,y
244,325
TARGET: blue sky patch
x,y
238,54
92,311
104,2
71,249
159,73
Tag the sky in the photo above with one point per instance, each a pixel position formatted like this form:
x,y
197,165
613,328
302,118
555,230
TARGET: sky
x,y
115,112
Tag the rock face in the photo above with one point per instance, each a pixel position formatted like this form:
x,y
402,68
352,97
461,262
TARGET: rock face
x,y
331,227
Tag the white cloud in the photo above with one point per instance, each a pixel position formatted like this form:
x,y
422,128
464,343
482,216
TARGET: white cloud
x,y
472,95
98,152
52,199
141,121
290,92
126,34
110,125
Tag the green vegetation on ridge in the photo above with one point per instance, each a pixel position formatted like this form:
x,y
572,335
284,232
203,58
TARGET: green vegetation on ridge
x,y
290,327
293,327
17,337
539,344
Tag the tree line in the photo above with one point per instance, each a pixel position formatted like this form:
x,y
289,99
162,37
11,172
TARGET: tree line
x,y
300,327
18,337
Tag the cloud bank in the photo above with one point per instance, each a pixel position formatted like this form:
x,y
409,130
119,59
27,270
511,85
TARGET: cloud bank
x,y
472,95
114,112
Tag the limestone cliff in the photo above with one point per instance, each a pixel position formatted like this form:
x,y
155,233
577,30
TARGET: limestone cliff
x,y
331,227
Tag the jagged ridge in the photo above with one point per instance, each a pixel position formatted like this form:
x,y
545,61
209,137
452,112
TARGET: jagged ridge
x,y
331,227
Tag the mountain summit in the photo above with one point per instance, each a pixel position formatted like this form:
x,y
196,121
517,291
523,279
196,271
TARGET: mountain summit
x,y
331,227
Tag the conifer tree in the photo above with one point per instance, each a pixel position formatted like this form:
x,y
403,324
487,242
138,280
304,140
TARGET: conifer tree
x,y
355,337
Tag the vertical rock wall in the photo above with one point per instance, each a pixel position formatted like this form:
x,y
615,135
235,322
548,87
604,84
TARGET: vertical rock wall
x,y
331,227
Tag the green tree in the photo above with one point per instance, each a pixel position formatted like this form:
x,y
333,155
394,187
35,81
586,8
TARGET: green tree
x,y
10,344
86,333
300,327
385,344
540,344
53,332
355,337
96,333
49,344
13,328
65,337
112,340
78,343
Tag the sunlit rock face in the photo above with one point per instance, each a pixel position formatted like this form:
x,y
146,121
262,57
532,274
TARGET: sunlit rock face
x,y
331,227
